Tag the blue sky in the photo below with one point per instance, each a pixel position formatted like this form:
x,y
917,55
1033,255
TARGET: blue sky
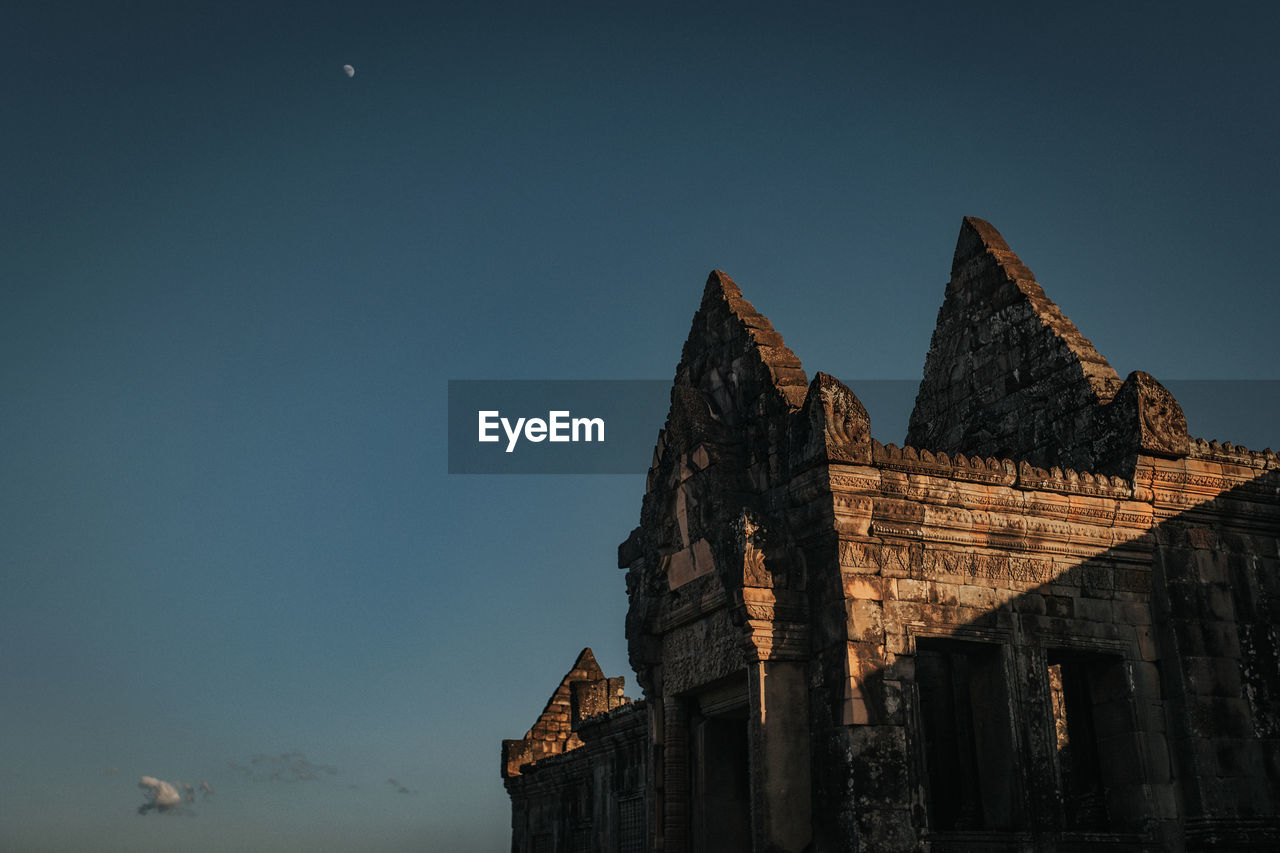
x,y
236,283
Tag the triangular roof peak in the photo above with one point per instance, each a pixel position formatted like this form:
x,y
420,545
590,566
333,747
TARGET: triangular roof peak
x,y
555,714
733,353
719,284
1001,352
979,237
553,732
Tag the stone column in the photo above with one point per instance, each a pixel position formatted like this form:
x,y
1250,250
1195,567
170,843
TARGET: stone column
x,y
675,775
781,815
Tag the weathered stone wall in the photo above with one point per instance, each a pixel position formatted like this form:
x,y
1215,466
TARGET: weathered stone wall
x,y
577,779
1013,562
591,797
1218,606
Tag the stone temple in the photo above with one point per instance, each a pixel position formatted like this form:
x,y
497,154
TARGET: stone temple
x,y
1046,623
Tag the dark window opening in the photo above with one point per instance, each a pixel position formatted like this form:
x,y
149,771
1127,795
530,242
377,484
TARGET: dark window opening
x,y
970,761
1092,724
631,825
721,784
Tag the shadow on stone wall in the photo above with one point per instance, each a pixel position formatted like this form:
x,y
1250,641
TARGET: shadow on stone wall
x,y
1132,700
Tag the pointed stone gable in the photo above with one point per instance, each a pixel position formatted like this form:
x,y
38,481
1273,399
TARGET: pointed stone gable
x,y
553,732
734,355
553,722
721,467
1007,374
735,391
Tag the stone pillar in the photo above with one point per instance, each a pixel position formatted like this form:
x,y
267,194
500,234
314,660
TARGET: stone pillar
x,y
675,775
781,815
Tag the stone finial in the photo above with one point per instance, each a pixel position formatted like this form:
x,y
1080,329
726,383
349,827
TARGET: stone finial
x,y
833,425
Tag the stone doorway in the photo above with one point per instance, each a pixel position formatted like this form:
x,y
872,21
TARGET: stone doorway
x,y
720,767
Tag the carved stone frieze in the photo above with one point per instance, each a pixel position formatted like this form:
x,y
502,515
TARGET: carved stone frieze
x,y
701,652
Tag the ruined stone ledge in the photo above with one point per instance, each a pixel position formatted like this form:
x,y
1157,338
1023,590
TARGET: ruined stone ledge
x,y
1234,832
1255,517
692,609
996,569
990,841
764,603
1235,453
905,535
767,640
1203,479
589,727
989,470
1070,481
994,471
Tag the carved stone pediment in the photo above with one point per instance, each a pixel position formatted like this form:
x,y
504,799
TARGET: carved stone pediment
x,y
1143,417
833,425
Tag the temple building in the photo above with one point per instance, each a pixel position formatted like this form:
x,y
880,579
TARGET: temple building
x,y
1050,621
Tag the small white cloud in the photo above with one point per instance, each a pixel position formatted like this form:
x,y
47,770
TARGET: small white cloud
x,y
161,795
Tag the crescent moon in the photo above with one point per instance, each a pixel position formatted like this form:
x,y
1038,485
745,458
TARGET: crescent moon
x,y
351,72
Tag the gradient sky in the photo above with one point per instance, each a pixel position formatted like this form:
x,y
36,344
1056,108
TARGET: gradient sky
x,y
236,282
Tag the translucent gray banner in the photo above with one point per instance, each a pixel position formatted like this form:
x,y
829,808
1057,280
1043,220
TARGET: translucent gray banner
x,y
604,426
558,426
